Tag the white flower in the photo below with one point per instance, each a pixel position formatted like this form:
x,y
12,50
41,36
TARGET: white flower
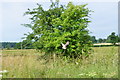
x,y
76,63
0,76
81,74
4,71
92,74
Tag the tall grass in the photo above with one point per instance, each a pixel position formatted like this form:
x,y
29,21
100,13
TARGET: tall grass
x,y
102,63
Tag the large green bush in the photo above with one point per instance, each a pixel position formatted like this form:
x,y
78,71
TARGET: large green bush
x,y
60,24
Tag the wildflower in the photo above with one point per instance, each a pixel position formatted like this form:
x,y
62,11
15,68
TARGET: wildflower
x,y
109,75
0,76
81,74
76,63
4,71
92,74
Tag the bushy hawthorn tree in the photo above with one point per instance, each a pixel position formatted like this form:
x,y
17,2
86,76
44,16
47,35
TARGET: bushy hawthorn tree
x,y
58,24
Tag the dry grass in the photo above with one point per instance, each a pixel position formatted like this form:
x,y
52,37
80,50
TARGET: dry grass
x,y
26,64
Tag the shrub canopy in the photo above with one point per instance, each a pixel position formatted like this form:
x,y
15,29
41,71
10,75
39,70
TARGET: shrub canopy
x,y
60,24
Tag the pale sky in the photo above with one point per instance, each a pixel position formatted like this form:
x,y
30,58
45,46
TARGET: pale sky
x,y
104,18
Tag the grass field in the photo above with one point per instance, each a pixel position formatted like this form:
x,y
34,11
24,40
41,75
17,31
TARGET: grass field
x,y
102,63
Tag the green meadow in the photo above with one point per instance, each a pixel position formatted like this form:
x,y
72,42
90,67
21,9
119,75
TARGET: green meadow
x,y
27,63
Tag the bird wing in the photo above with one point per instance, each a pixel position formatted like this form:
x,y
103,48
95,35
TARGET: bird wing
x,y
62,44
67,43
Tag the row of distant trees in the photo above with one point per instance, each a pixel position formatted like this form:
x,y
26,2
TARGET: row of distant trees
x,y
15,45
112,38
26,44
8,45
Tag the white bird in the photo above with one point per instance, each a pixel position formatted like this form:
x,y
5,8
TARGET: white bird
x,y
64,46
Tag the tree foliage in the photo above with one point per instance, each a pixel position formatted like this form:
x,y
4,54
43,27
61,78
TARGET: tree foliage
x,y
113,38
58,24
93,39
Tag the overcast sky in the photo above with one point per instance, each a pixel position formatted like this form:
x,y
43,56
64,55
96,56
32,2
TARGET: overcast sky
x,y
104,18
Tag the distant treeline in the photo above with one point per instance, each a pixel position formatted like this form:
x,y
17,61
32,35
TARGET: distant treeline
x,y
27,44
112,38
7,45
15,45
